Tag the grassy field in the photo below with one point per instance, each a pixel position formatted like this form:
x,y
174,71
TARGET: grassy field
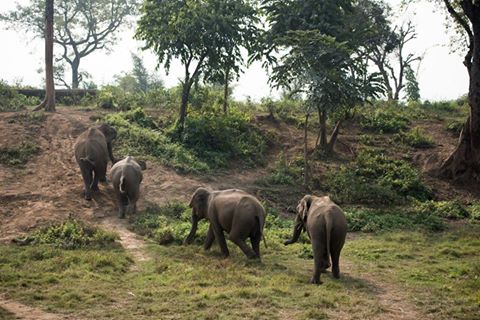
x,y
439,273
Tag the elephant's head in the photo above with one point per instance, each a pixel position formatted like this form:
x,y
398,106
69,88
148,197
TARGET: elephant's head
x,y
199,205
303,207
109,132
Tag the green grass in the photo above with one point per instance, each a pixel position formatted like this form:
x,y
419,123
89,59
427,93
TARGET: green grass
x,y
18,155
440,272
416,138
5,315
284,172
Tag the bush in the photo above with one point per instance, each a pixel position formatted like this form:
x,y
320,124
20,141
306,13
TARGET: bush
x,y
374,178
10,100
416,138
369,220
138,136
455,126
167,224
443,209
383,120
474,211
19,155
285,172
73,234
217,139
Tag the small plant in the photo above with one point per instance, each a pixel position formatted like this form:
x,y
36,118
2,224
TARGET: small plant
x,y
11,100
73,234
454,126
416,138
19,155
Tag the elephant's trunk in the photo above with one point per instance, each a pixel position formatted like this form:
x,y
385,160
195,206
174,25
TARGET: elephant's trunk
x,y
191,235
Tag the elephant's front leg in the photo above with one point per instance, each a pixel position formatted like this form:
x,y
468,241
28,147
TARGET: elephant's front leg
x,y
209,239
218,232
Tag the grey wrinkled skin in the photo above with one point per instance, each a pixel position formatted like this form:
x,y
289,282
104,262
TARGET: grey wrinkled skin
x,y
234,211
93,149
126,176
326,227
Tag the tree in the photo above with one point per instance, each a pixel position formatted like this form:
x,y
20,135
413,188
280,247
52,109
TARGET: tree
x,y
140,73
412,88
385,45
81,28
205,35
49,101
464,162
323,57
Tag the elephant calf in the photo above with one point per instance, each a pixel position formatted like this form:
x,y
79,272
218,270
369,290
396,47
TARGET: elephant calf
x,y
326,227
234,211
126,176
92,150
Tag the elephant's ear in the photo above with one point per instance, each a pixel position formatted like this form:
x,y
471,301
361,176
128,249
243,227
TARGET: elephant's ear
x,y
303,208
200,195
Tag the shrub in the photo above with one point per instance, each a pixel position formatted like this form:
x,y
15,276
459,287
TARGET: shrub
x,y
218,139
19,155
285,172
455,126
369,220
443,209
474,211
137,136
416,138
383,120
167,224
375,178
72,234
10,100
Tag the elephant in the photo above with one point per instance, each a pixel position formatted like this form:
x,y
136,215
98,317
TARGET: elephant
x,y
238,213
326,227
93,148
126,176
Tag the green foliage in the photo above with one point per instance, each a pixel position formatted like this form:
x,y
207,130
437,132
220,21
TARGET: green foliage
x,y
383,120
416,138
218,139
19,155
474,210
376,179
370,220
412,88
10,100
137,136
167,224
285,172
443,209
455,126
73,234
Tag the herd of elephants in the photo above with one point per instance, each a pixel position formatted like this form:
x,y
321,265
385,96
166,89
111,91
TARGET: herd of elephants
x,y
232,211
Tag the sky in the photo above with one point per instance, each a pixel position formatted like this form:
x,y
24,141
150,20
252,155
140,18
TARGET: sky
x,y
441,74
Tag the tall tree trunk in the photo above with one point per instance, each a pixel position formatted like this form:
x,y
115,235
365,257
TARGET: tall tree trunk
x,y
333,138
322,118
464,162
225,93
306,173
183,107
75,75
49,102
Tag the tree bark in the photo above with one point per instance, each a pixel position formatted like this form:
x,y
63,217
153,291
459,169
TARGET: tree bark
x,y
333,138
225,93
49,102
75,75
306,175
183,107
322,118
464,162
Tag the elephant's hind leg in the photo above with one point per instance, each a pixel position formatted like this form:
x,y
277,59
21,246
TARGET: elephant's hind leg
x,y
335,249
238,235
87,176
218,232
255,239
210,238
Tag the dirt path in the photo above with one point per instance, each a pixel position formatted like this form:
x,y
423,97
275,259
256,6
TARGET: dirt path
x,y
391,298
21,311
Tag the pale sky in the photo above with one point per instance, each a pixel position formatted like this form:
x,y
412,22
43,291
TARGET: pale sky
x,y
441,74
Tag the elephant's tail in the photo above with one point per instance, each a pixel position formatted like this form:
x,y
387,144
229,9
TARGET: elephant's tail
x,y
87,160
328,232
122,184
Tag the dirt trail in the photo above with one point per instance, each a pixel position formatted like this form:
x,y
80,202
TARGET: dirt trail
x,y
22,311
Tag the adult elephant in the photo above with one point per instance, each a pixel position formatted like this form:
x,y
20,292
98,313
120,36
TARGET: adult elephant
x,y
326,227
93,148
234,211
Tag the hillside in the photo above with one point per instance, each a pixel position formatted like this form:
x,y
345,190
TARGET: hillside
x,y
387,269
